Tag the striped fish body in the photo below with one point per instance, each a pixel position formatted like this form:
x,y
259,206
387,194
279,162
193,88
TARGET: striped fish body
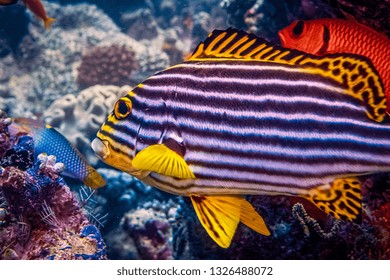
x,y
244,117
258,128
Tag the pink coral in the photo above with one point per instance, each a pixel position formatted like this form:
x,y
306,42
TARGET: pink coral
x,y
107,65
41,218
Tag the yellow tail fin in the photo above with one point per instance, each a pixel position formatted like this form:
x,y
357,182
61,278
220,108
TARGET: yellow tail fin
x,y
48,22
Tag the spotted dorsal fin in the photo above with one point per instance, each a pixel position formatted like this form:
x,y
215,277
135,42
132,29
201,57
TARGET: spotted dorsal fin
x,y
353,73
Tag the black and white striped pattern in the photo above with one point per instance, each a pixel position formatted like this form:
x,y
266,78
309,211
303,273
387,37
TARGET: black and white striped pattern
x,y
252,127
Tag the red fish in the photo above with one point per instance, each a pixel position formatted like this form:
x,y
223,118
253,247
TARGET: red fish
x,y
325,36
34,6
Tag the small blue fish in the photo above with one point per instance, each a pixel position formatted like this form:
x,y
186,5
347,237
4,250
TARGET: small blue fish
x,y
48,140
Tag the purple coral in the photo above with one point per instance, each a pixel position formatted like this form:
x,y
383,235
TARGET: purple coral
x,y
107,65
40,217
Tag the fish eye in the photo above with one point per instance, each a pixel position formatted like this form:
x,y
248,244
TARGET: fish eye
x,y
298,28
122,108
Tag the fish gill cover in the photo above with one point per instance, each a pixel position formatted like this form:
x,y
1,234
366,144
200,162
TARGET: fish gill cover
x,y
41,74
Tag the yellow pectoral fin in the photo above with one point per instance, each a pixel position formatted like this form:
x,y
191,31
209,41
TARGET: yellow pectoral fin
x,y
342,199
219,215
252,219
160,159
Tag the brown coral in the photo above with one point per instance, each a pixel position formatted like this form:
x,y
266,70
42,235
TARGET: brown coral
x,y
107,65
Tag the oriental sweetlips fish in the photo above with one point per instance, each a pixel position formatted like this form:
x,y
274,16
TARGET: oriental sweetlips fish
x,y
325,36
34,6
245,117
48,140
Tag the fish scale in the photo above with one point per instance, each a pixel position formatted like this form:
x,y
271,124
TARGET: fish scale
x,y
245,117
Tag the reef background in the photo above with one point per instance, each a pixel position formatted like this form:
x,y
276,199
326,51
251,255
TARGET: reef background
x,y
71,75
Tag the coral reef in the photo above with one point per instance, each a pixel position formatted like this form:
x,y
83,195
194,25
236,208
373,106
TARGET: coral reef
x,y
79,118
48,60
173,27
139,218
374,13
262,17
41,219
108,65
150,229
266,17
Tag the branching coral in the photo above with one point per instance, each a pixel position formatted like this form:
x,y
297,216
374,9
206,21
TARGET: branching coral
x,y
151,232
107,65
308,223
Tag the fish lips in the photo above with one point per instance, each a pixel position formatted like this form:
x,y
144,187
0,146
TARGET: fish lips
x,y
100,148
104,151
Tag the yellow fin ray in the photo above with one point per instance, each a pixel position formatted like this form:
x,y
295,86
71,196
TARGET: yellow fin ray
x,y
252,219
219,215
160,159
342,199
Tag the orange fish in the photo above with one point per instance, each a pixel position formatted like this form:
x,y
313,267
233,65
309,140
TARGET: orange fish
x,y
7,2
325,36
37,8
34,6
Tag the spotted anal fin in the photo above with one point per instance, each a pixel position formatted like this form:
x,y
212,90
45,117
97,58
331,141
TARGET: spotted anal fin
x,y
342,199
163,160
353,73
220,216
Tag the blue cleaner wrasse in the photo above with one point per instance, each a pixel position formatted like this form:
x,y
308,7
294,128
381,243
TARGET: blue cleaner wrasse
x,y
245,117
48,140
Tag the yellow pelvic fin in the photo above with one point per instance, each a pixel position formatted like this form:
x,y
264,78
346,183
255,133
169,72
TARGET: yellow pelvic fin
x,y
220,215
252,219
342,199
354,73
159,158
